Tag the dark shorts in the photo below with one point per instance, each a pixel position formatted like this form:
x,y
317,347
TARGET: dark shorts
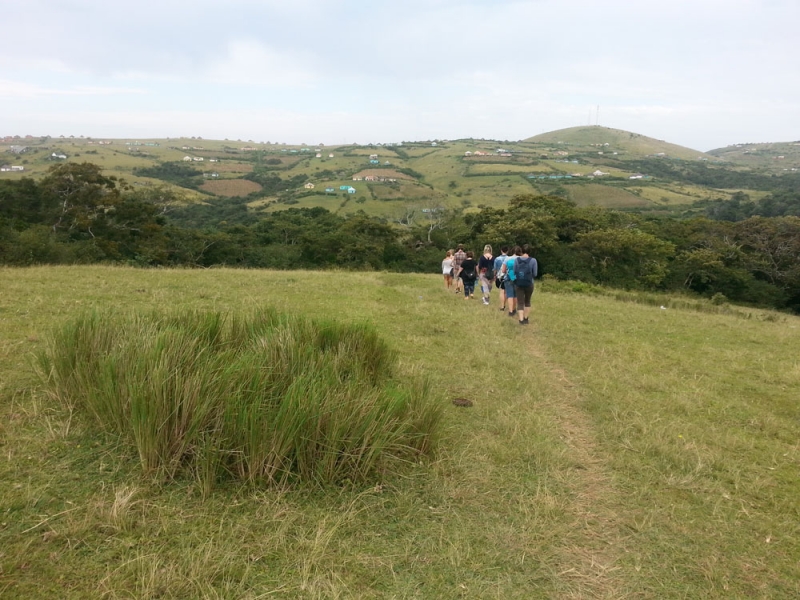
x,y
523,296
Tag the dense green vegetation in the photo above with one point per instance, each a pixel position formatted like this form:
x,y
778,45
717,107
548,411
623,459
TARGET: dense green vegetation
x,y
179,173
747,252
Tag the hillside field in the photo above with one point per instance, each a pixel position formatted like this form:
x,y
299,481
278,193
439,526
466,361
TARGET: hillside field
x,y
445,173
621,446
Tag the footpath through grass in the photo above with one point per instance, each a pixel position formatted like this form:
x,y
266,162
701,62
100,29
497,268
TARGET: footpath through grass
x,y
613,450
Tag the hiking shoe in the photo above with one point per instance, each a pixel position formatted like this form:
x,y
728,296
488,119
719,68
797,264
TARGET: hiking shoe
x,y
502,308
525,320
486,302
511,314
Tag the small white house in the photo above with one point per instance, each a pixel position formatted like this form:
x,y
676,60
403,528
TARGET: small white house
x,y
187,159
309,186
198,159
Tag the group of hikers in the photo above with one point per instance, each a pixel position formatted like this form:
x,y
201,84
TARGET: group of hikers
x,y
512,274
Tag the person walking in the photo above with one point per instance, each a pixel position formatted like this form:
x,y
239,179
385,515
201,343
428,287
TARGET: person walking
x,y
526,268
486,270
499,277
458,258
469,273
508,272
447,270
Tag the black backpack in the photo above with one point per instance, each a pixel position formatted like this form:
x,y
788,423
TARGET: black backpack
x,y
468,275
523,272
489,273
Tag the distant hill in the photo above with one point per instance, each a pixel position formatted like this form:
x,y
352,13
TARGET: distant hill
x,y
629,143
589,165
779,157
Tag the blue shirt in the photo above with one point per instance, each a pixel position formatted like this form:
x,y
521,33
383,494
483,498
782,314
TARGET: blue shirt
x,y
510,260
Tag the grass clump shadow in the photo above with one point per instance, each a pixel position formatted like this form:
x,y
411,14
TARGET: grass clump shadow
x,y
261,397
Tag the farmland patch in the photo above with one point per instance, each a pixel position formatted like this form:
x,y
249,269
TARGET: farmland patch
x,y
604,195
230,187
386,173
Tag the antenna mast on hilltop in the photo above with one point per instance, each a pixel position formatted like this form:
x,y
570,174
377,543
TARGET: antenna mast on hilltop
x,y
597,121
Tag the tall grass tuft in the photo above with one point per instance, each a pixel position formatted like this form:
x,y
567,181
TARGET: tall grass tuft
x,y
262,397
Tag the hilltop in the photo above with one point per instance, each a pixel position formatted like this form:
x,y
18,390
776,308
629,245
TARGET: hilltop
x,y
589,165
777,158
633,145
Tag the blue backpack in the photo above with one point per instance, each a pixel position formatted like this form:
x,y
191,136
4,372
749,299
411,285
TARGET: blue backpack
x,y
523,272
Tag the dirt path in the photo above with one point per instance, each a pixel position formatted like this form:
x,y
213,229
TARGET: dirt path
x,y
591,553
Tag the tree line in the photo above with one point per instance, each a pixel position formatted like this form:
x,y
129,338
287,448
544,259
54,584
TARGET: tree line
x,y
76,214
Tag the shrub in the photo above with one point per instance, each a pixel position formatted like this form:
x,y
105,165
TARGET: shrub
x,y
263,397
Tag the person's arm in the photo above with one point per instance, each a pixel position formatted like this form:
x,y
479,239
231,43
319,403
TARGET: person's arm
x,y
535,268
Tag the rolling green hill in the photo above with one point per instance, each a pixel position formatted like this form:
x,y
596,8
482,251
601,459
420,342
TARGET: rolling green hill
x,y
588,165
778,158
595,139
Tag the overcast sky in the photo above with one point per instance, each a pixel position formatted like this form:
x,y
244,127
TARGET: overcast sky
x,y
700,73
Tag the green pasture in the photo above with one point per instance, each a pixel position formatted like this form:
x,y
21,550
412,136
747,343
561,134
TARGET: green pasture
x,y
666,195
614,449
598,194
500,168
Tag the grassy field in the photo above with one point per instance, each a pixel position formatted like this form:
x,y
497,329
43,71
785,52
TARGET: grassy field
x,y
230,187
615,450
597,194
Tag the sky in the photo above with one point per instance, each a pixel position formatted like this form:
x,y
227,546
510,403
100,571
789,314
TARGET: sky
x,y
700,73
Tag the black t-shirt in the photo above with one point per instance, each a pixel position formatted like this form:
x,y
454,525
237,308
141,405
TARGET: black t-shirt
x,y
485,263
468,268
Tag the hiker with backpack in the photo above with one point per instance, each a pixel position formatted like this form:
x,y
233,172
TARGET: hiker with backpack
x,y
458,258
486,270
525,271
508,281
499,280
468,275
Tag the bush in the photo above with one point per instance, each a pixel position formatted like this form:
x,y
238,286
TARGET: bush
x,y
264,398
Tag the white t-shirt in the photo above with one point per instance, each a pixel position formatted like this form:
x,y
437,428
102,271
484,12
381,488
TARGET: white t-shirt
x,y
447,264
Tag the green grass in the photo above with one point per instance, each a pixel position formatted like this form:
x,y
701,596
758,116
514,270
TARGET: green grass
x,y
615,449
598,194
260,397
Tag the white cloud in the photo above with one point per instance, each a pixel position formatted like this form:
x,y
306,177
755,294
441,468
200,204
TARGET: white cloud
x,y
250,62
19,89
